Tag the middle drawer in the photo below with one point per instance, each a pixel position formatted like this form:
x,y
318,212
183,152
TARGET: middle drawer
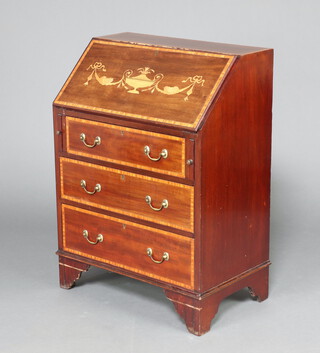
x,y
143,197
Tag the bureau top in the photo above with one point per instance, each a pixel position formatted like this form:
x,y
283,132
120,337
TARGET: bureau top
x,y
158,80
180,43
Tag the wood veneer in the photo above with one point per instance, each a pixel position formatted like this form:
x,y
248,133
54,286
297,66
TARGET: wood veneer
x,y
125,244
103,62
234,173
123,145
126,193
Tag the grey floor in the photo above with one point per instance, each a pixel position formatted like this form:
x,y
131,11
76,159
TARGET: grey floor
x,y
106,312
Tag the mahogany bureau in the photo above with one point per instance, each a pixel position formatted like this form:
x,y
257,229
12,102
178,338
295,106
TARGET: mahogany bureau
x,y
162,152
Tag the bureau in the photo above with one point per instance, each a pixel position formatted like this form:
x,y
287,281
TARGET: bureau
x,y
162,150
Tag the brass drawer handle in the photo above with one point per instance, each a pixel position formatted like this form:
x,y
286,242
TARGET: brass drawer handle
x,y
165,256
97,188
97,141
164,154
99,239
164,203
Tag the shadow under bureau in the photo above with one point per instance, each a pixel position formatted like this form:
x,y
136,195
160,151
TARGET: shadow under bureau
x,y
162,152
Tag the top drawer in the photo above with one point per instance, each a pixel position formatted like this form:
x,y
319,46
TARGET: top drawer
x,y
135,148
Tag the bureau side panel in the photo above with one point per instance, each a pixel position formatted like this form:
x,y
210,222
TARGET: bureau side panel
x,y
235,154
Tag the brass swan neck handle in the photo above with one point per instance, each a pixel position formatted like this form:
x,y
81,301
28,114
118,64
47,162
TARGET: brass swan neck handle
x,y
97,188
99,238
164,203
97,141
165,256
163,154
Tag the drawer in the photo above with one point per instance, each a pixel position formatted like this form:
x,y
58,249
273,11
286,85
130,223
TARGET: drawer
x,y
126,146
128,193
124,244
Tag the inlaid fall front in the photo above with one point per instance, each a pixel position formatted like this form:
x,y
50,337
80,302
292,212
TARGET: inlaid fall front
x,y
150,83
143,81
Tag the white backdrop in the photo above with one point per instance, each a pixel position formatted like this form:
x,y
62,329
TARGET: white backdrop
x,y
41,42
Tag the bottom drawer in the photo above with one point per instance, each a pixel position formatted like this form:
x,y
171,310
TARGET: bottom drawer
x,y
129,245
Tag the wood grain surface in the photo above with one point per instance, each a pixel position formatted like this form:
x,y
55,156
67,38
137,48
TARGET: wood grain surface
x,y
233,171
125,245
125,146
125,193
177,69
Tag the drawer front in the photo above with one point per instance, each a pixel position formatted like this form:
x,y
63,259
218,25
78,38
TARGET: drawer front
x,y
124,244
126,146
126,193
